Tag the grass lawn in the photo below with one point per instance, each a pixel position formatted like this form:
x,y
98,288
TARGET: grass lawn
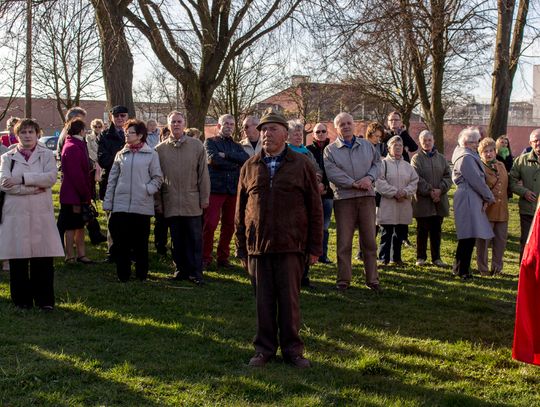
x,y
429,339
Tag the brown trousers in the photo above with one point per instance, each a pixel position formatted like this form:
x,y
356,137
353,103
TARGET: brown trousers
x,y
498,244
277,286
351,214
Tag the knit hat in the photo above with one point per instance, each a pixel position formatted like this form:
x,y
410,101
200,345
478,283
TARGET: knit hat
x,y
270,116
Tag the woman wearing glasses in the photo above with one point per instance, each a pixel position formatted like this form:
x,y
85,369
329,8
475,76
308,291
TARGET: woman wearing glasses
x,y
320,141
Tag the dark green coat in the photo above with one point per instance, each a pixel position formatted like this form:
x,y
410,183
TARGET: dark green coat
x,y
433,173
526,169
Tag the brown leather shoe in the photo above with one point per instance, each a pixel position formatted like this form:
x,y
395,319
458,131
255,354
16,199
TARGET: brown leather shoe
x,y
259,360
298,361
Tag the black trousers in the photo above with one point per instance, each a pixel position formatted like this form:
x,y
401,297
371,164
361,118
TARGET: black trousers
x,y
429,226
34,284
277,280
130,232
186,242
525,222
392,237
161,231
464,252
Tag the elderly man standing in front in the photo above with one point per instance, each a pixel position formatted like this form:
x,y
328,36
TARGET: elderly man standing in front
x,y
252,138
525,182
225,157
352,166
184,194
279,230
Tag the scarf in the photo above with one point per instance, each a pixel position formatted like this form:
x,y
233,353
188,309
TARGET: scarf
x,y
300,149
492,165
135,147
26,152
504,152
320,144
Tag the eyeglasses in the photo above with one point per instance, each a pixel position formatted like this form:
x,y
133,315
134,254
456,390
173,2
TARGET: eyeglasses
x,y
320,131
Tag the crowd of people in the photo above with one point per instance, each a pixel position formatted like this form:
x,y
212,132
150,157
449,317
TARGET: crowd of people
x,y
272,192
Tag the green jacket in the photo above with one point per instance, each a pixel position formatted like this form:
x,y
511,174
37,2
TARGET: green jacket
x,y
526,169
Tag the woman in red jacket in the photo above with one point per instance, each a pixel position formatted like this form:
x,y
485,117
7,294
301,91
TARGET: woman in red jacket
x,y
75,192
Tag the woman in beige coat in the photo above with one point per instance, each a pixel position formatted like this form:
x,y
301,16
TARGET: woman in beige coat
x,y
30,239
497,213
397,184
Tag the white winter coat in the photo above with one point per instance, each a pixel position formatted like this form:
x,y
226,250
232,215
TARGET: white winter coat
x,y
28,226
133,181
395,175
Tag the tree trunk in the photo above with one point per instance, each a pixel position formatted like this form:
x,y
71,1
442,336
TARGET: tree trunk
x,y
197,101
505,64
116,56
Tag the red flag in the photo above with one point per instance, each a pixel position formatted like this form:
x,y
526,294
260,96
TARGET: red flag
x,y
527,330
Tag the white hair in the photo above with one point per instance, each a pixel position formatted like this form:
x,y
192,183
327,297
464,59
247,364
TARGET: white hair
x,y
467,135
341,116
394,140
224,117
254,120
295,125
425,133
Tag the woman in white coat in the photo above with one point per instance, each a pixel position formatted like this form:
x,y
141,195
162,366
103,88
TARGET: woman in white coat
x,y
397,184
28,232
134,179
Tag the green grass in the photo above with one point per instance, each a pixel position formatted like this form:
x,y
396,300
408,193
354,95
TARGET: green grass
x,y
429,339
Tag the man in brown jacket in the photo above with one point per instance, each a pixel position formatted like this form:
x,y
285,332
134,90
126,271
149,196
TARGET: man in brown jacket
x,y
278,224
185,192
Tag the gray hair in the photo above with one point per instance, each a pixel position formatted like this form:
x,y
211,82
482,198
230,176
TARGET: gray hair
x,y
425,133
341,116
254,120
224,117
175,112
394,140
74,112
151,121
467,135
295,125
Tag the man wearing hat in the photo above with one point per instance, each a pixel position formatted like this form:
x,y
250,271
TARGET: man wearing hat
x,y
279,227
110,142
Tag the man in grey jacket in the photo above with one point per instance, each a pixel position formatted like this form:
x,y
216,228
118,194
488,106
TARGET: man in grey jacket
x,y
352,166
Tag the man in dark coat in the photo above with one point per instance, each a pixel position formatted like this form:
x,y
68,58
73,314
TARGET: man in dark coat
x,y
278,228
225,157
110,142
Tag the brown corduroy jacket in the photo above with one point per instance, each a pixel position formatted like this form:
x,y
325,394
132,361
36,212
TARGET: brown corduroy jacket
x,y
284,216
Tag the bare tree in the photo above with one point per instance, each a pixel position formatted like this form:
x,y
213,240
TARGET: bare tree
x,y
156,95
11,68
508,48
69,65
206,37
246,81
116,57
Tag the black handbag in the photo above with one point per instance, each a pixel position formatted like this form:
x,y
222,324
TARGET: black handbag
x,y
3,194
88,212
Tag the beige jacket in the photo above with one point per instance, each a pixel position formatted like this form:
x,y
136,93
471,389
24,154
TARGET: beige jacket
x,y
186,183
395,175
248,148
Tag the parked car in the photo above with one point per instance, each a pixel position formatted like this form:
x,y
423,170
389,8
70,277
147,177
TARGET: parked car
x,y
50,142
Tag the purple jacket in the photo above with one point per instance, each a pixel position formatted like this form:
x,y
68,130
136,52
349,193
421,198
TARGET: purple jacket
x,y
76,187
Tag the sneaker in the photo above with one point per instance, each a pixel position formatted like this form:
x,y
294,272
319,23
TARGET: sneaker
x,y
259,360
298,361
422,262
440,263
